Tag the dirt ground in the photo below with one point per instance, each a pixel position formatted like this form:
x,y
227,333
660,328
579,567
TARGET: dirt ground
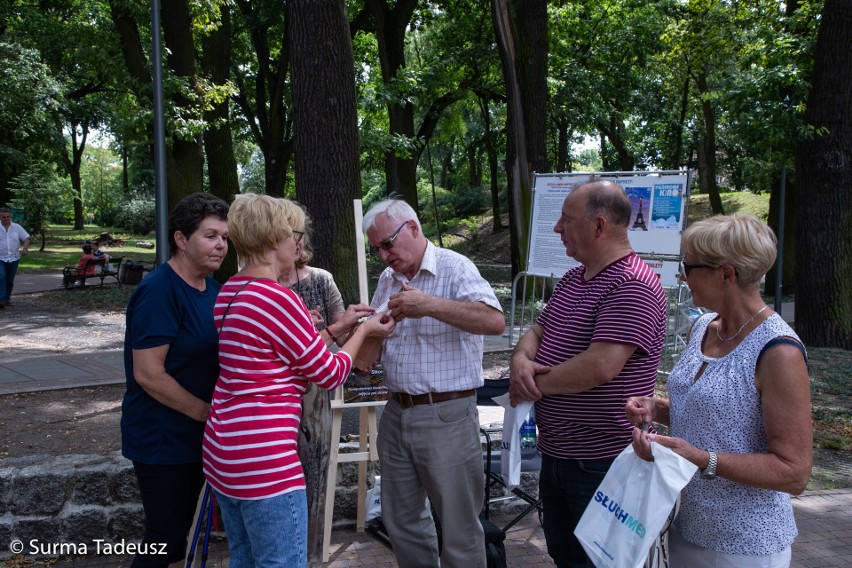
x,y
86,420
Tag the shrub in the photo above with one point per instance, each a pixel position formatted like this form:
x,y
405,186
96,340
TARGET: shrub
x,y
137,216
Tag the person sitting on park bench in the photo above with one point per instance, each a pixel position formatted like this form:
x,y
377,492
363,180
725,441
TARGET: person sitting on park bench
x,y
96,250
78,276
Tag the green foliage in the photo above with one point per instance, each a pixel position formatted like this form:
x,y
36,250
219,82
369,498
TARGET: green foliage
x,y
27,111
101,180
38,195
589,160
137,215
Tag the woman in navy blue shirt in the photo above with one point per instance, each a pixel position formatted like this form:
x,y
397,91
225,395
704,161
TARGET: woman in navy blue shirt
x,y
171,364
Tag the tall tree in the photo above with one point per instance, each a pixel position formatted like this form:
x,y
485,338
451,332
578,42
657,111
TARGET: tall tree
x,y
261,72
823,200
28,113
327,181
184,156
521,30
218,139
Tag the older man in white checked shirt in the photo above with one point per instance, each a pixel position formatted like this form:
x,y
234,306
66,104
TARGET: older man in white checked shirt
x,y
429,433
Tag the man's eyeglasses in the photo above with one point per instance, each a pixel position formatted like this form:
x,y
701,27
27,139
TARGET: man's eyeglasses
x,y
685,269
297,236
388,244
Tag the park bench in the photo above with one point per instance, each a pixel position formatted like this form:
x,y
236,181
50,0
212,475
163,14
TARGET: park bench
x,y
94,268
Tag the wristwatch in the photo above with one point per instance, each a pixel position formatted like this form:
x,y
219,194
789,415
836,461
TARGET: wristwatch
x,y
709,472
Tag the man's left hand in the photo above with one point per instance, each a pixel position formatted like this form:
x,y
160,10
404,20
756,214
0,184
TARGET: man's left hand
x,y
408,303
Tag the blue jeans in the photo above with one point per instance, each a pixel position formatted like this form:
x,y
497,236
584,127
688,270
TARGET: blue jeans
x,y
565,488
7,279
266,532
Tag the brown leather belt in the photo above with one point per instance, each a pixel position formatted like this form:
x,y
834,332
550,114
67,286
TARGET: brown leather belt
x,y
409,400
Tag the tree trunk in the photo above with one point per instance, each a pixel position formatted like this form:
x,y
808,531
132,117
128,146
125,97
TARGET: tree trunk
x,y
266,111
72,166
327,169
218,144
823,199
788,282
521,31
563,155
184,159
615,134
493,173
677,159
707,149
186,174
391,25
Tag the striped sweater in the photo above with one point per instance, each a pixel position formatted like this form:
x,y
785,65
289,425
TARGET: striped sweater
x,y
268,351
625,304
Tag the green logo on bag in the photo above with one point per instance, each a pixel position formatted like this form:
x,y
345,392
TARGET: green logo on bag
x,y
621,515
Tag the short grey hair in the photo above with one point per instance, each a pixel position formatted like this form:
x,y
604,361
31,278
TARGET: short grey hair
x,y
743,241
396,209
607,199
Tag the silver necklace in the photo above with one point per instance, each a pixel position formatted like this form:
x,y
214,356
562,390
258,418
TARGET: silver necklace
x,y
751,319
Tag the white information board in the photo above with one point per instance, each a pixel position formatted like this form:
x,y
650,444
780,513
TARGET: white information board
x,y
658,201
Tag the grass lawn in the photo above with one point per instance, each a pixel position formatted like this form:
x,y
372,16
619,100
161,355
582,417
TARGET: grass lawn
x,y
732,202
63,247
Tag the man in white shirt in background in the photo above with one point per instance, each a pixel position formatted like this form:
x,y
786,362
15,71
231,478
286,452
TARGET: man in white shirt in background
x,y
12,236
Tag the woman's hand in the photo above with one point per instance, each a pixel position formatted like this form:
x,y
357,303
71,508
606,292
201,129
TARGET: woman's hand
x,y
640,410
642,446
353,313
381,326
316,317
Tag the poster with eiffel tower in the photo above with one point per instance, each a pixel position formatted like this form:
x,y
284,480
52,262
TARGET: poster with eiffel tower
x,y
658,201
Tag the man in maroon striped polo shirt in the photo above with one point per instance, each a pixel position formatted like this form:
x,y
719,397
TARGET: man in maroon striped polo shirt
x,y
597,343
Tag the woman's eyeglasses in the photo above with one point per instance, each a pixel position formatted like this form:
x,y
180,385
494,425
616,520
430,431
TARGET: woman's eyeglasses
x,y
685,268
388,244
297,236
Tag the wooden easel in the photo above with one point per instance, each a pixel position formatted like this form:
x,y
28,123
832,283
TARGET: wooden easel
x,y
368,430
367,452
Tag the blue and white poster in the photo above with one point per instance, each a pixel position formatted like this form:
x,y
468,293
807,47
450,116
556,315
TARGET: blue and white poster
x,y
657,201
668,206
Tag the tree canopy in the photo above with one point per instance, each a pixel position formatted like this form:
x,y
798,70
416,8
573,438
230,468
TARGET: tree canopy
x,y
457,103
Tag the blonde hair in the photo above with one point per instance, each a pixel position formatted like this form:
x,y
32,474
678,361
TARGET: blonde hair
x,y
743,241
259,222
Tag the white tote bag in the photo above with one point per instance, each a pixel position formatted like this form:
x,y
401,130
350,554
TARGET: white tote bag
x,y
631,505
510,458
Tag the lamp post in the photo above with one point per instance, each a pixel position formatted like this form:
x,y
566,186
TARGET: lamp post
x,y
161,198
779,263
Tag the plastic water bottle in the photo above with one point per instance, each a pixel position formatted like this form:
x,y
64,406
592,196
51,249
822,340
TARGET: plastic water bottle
x,y
528,434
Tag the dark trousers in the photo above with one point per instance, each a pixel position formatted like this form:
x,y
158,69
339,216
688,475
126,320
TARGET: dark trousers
x,y
7,279
169,496
565,488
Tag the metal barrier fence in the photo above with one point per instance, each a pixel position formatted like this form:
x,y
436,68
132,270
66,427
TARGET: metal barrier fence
x,y
531,292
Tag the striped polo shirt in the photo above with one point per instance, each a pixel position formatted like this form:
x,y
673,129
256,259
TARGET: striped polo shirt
x,y
625,304
268,351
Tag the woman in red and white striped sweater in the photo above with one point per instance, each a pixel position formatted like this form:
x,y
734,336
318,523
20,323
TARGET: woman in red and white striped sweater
x,y
269,350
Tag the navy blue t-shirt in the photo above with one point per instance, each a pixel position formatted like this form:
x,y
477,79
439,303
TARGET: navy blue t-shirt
x,y
164,309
